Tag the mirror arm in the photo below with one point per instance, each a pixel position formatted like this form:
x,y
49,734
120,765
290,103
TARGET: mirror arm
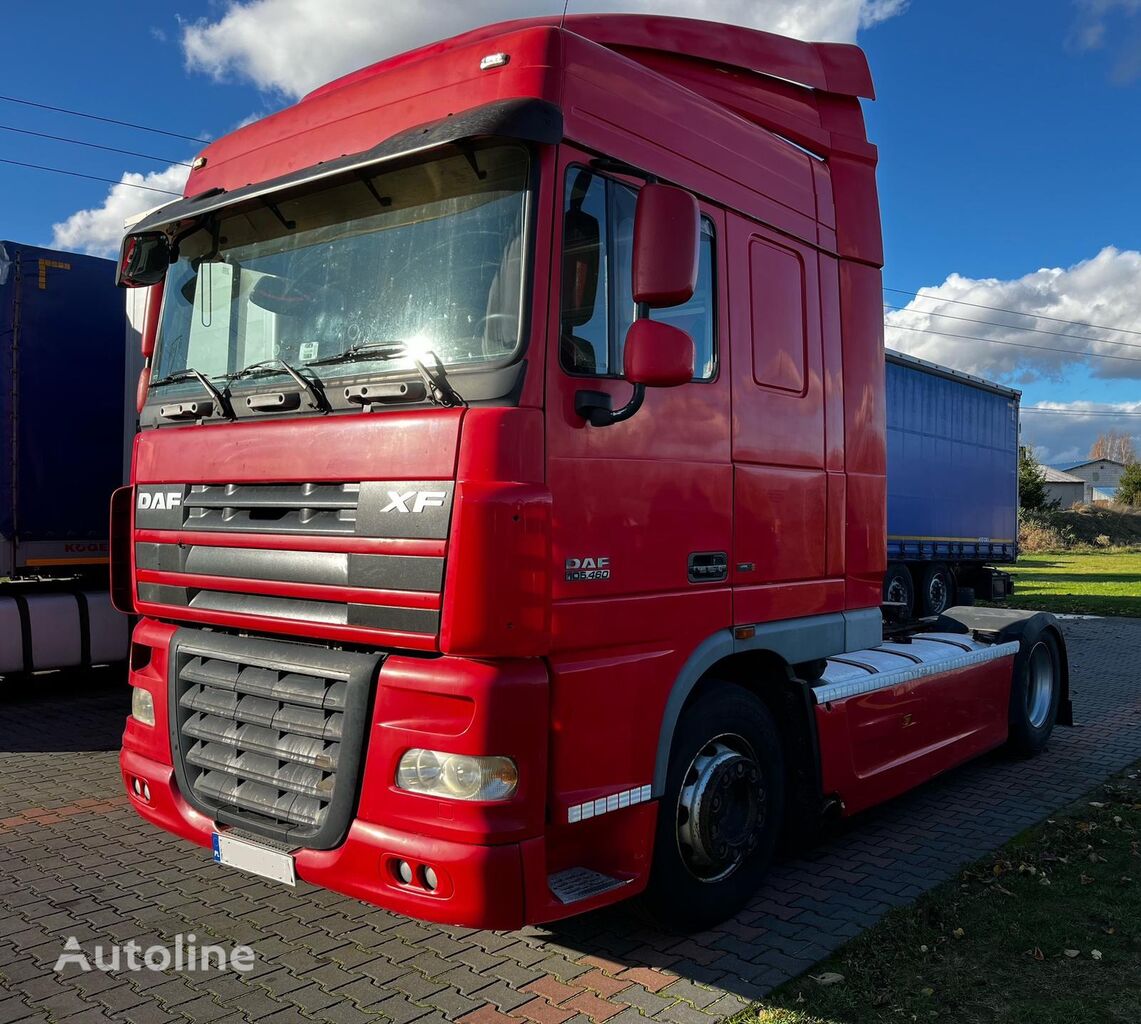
x,y
595,406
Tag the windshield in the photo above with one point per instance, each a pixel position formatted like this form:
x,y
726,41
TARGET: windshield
x,y
421,260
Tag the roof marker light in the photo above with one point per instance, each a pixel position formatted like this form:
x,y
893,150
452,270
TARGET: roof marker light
x,y
494,60
198,163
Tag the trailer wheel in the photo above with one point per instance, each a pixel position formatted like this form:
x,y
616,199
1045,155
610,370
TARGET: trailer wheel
x,y
1035,692
721,814
899,588
937,589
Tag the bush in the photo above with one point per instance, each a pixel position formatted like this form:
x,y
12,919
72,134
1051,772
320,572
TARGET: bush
x,y
1044,530
1129,490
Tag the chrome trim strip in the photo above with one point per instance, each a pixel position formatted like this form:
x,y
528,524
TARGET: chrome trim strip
x,y
884,680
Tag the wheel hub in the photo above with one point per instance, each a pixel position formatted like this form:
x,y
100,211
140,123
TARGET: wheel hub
x,y
937,591
721,809
1039,685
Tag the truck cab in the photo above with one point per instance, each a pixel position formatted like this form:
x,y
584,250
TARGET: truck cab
x,y
511,468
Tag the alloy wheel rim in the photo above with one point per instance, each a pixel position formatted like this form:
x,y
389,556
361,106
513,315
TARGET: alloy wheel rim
x,y
722,808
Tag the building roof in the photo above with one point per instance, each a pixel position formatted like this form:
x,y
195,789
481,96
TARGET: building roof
x,y
1094,462
1056,476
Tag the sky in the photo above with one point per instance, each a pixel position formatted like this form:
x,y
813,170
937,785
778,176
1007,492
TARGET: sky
x,y
1009,138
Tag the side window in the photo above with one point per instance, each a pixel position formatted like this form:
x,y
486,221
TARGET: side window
x,y
780,344
597,303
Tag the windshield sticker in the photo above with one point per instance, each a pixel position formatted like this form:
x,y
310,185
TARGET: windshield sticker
x,y
307,350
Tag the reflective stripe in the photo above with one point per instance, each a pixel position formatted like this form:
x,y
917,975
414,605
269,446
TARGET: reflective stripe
x,y
605,804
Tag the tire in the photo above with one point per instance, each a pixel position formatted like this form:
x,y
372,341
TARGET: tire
x,y
936,589
1035,692
720,817
899,587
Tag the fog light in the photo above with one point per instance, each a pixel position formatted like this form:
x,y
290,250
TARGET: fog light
x,y
142,705
404,872
457,776
428,876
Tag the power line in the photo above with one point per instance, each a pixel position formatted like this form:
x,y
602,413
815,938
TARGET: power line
x,y
97,117
1081,412
1012,327
93,177
1014,312
1017,344
94,145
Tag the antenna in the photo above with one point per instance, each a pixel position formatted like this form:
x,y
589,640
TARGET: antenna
x,y
562,20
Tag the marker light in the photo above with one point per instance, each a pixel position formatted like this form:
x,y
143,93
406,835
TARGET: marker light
x,y
494,60
143,705
457,776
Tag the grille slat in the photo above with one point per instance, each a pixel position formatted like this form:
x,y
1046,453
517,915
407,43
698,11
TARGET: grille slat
x,y
262,739
274,749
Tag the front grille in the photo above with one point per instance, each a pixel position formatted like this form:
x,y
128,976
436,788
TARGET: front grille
x,y
280,508
365,556
270,735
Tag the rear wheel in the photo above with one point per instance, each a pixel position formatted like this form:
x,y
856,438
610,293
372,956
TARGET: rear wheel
x,y
899,592
1035,692
721,814
937,589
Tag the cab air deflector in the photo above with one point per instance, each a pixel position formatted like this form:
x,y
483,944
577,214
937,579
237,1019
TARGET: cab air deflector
x,y
528,120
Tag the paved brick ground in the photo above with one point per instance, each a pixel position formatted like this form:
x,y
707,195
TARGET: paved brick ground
x,y
75,861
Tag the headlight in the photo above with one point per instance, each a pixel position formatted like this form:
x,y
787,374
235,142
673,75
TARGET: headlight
x,y
457,776
143,705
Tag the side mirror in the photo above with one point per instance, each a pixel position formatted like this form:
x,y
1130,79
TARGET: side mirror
x,y
667,230
143,260
658,355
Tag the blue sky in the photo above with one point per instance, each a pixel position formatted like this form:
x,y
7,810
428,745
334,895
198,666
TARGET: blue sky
x,y
1008,143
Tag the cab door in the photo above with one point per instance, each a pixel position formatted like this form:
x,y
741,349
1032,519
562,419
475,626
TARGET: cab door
x,y
781,564
632,502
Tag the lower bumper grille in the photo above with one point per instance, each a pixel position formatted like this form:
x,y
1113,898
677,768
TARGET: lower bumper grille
x,y
270,735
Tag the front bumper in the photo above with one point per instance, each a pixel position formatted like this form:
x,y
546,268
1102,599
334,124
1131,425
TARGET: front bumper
x,y
479,886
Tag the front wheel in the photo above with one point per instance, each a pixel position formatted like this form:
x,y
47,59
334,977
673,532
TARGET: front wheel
x,y
721,814
1035,693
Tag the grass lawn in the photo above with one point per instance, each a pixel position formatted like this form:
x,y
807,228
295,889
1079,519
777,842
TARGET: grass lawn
x,y
1091,583
1045,931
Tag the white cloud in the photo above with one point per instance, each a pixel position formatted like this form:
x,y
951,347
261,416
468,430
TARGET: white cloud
x,y
99,230
292,46
1104,290
1065,431
1099,21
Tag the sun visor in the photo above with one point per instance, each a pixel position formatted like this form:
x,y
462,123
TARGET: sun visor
x,y
529,120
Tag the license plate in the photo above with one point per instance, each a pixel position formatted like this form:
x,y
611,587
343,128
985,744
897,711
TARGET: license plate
x,y
254,858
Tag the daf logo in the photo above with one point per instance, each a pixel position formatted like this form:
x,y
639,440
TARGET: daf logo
x,y
159,500
420,501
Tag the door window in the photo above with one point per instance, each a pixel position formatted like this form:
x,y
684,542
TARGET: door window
x,y
598,302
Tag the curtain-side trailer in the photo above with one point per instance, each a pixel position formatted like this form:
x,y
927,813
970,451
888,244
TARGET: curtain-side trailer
x,y
952,486
61,456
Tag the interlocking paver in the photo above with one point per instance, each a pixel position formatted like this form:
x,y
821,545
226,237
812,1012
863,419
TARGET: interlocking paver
x,y
78,862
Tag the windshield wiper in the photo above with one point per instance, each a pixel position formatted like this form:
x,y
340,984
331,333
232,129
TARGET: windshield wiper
x,y
366,350
440,390
190,373
315,392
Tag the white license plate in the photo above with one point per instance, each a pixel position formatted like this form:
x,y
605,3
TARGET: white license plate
x,y
254,858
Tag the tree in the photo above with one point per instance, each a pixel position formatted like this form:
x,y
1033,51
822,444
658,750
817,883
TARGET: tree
x,y
1129,490
1115,445
1032,483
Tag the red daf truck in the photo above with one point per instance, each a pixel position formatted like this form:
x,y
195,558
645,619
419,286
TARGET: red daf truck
x,y
506,525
